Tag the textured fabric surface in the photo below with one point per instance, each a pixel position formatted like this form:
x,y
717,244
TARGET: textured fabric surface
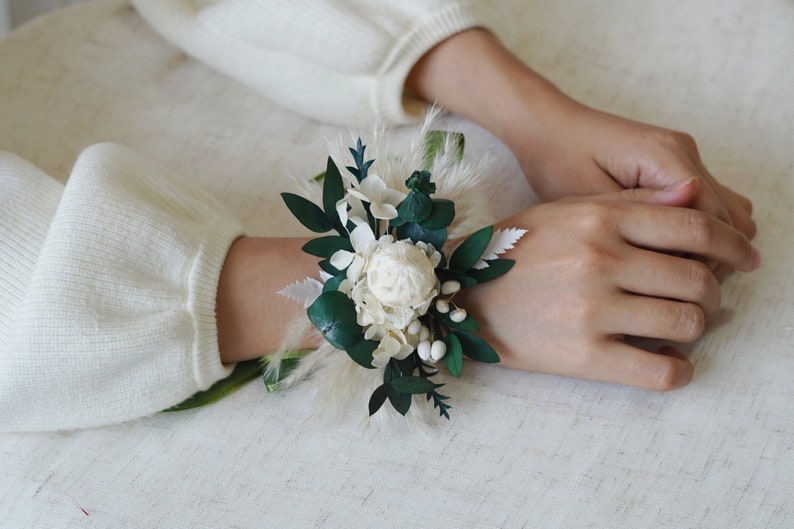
x,y
522,450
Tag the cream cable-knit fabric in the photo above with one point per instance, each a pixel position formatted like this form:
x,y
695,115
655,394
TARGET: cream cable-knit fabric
x,y
108,311
108,285
339,61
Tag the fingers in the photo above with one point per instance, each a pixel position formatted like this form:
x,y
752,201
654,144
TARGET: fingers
x,y
740,209
672,278
621,363
689,231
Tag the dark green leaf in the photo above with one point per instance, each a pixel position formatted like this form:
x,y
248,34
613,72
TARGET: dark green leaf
x,y
469,324
415,208
470,250
417,232
438,141
448,275
333,191
475,347
454,356
328,268
334,315
414,385
438,402
378,398
420,182
391,371
243,373
496,268
308,213
441,214
361,352
400,401
327,246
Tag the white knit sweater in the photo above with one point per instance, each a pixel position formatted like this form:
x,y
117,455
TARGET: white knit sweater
x,y
107,285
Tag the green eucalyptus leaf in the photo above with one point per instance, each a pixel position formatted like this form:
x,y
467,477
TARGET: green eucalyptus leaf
x,y
470,250
308,213
475,347
468,324
334,315
327,246
243,373
415,208
438,141
378,397
333,283
496,268
333,192
441,214
414,385
454,357
417,232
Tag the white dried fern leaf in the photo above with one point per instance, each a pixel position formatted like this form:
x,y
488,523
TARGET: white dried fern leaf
x,y
304,292
501,241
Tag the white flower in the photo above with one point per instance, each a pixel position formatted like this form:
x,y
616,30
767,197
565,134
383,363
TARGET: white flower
x,y
383,200
401,276
393,345
363,241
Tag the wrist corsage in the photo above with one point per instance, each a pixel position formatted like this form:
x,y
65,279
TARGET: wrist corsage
x,y
391,278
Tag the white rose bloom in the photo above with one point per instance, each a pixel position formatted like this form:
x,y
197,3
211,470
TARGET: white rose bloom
x,y
401,276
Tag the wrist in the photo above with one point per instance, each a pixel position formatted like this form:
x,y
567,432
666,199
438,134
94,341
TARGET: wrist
x,y
251,315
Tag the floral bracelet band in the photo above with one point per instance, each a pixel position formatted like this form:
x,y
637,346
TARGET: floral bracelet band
x,y
389,280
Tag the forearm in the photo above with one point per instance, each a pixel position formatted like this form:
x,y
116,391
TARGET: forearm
x,y
473,75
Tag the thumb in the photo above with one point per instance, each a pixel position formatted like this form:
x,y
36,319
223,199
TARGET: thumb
x,y
681,195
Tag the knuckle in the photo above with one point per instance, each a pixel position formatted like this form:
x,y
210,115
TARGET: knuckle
x,y
690,322
594,217
700,228
593,260
699,280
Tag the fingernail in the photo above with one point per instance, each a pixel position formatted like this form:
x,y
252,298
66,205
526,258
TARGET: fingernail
x,y
682,185
756,258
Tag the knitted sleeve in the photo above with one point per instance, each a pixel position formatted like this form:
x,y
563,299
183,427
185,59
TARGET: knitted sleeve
x,y
107,295
340,61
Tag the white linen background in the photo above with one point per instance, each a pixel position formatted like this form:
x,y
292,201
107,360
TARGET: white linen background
x,y
522,450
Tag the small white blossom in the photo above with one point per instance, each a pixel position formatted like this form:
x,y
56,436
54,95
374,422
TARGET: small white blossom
x,y
383,200
363,241
393,345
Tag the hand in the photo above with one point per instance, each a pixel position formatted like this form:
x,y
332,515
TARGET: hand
x,y
564,147
591,271
574,150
